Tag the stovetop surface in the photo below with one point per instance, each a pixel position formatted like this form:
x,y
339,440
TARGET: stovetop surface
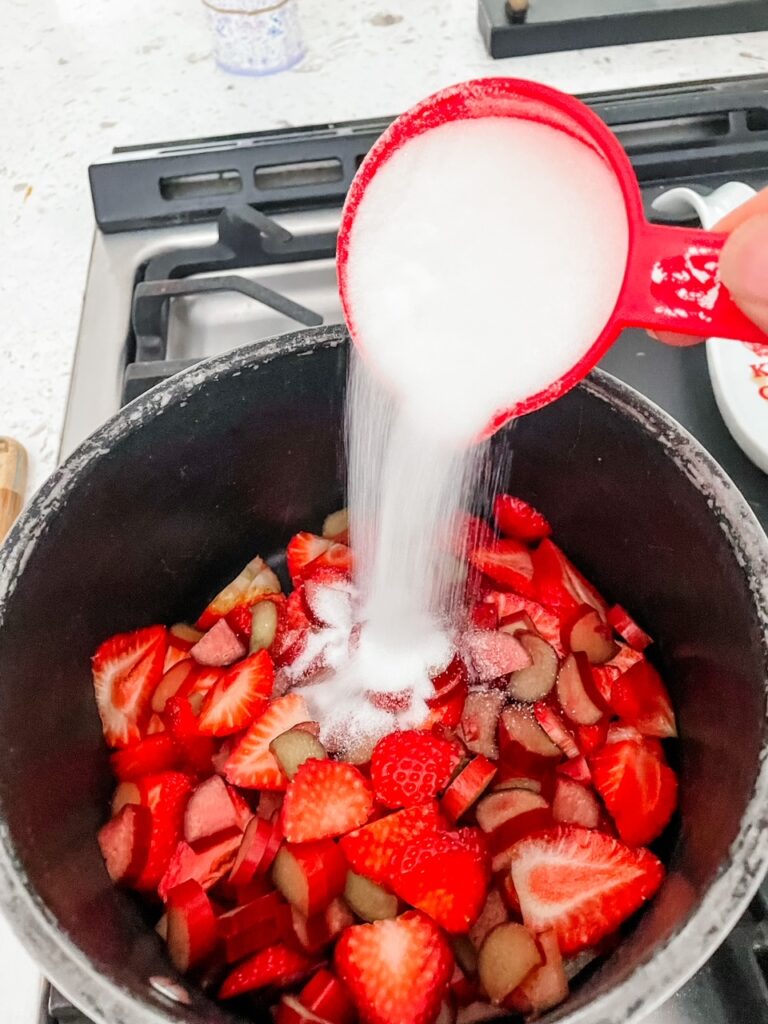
x,y
175,239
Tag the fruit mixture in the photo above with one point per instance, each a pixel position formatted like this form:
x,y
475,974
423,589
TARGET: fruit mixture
x,y
461,871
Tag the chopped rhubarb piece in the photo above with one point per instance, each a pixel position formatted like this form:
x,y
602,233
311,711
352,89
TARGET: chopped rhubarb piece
x,y
253,914
126,670
463,989
520,622
369,901
336,525
451,678
218,647
494,810
251,764
586,632
128,793
264,618
506,958
310,875
493,914
270,804
545,622
525,749
192,927
546,986
516,518
479,722
503,840
556,730
575,804
628,629
315,933
411,767
325,996
491,655
507,562
580,883
255,580
476,1013
241,694
576,691
576,768
210,810
535,681
446,711
277,966
179,679
296,746
257,851
326,799
272,930
397,971
124,843
640,698
206,865
467,787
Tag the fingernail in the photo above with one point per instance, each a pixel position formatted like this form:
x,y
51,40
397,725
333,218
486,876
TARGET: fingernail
x,y
744,262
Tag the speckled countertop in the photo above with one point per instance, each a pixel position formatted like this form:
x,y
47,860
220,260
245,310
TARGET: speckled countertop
x,y
78,77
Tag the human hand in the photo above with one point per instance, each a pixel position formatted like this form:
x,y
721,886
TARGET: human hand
x,y
743,264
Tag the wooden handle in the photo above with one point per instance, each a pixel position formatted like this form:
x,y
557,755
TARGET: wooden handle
x,y
13,482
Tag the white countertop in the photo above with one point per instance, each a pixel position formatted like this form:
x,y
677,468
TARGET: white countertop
x,y
78,77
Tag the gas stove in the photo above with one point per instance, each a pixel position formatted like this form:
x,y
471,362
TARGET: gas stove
x,y
205,245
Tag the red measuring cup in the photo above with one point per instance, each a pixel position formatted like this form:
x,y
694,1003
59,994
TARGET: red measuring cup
x,y
671,280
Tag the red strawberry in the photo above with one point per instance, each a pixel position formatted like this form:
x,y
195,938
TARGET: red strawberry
x,y
240,620
640,697
559,585
126,670
628,629
581,883
639,790
411,767
516,518
397,971
156,753
253,582
445,875
325,799
196,751
276,966
165,796
238,697
447,711
307,551
293,625
508,604
371,850
205,865
251,764
507,562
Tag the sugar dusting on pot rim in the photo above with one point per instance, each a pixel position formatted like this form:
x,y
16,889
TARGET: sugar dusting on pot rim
x,y
645,987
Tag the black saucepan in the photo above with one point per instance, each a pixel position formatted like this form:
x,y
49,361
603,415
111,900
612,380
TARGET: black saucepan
x,y
167,501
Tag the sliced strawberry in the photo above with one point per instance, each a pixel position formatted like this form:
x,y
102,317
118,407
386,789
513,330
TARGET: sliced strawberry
x,y
179,679
325,799
590,738
371,850
124,843
446,876
196,751
156,753
192,927
640,697
205,865
328,597
251,764
310,875
218,647
126,669
468,786
546,624
411,767
240,621
446,711
261,841
397,971
450,679
479,722
492,654
316,933
506,562
503,840
516,518
307,551
559,585
470,532
580,883
255,580
575,804
639,791
326,997
628,629
165,796
293,626
556,729
484,616
277,966
239,696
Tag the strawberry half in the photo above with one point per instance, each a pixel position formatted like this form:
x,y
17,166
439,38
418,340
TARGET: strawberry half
x,y
165,796
238,697
276,966
582,884
411,767
507,562
126,669
640,697
639,790
255,580
251,764
307,552
446,876
397,971
371,850
293,626
516,518
325,799
156,753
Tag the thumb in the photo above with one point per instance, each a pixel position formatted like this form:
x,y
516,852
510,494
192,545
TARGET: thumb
x,y
744,268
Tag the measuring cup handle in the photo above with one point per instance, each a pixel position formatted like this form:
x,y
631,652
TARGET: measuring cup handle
x,y
673,284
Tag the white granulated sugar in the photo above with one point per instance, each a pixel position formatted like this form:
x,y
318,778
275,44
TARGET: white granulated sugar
x,y
485,258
